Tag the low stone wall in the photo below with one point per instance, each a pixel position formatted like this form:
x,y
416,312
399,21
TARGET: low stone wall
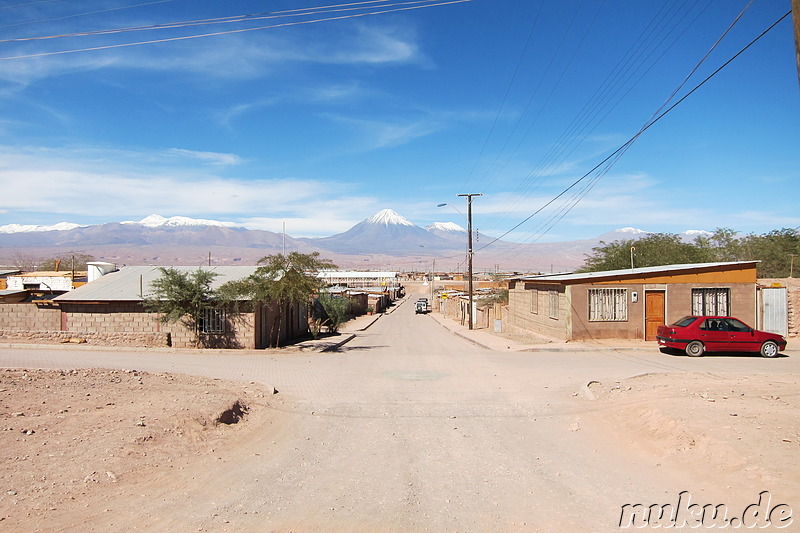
x,y
135,340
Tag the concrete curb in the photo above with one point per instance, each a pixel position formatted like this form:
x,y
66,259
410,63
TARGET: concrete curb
x,y
338,344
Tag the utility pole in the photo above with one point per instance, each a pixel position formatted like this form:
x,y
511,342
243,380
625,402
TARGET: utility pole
x,y
796,17
469,248
433,276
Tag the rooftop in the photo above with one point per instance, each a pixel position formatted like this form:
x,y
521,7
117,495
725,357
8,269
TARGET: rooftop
x,y
131,283
580,276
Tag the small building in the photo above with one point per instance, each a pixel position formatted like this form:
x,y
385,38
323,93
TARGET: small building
x,y
628,303
4,273
45,282
112,307
358,279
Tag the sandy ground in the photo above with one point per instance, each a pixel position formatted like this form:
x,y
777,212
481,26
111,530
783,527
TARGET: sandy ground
x,y
405,428
77,444
740,431
68,436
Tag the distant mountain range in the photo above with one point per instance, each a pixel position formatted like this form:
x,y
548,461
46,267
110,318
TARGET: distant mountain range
x,y
384,240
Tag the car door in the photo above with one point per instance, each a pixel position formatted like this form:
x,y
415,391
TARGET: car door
x,y
740,336
713,335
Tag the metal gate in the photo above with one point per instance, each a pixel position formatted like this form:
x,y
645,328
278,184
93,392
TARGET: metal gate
x,y
774,310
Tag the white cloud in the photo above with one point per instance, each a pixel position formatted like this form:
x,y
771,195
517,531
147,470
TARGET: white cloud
x,y
118,185
228,57
211,157
386,133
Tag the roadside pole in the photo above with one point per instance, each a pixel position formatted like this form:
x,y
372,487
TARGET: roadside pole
x,y
469,249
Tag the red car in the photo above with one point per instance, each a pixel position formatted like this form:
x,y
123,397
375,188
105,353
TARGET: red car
x,y
699,334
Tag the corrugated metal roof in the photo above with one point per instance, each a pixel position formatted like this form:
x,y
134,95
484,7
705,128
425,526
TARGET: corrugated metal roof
x,y
572,276
126,284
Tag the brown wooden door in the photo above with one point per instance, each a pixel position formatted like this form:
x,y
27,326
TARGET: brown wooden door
x,y
653,313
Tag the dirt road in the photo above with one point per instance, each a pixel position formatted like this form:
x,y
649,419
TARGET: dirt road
x,y
406,428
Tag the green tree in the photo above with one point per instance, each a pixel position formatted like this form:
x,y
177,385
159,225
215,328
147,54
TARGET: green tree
x,y
774,250
336,309
722,245
183,297
653,250
281,281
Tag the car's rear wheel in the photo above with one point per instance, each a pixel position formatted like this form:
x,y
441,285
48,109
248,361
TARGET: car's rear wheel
x,y
695,349
769,349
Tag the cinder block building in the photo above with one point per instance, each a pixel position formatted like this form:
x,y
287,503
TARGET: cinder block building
x,y
111,310
629,303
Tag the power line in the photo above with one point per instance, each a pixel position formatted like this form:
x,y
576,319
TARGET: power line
x,y
395,7
624,147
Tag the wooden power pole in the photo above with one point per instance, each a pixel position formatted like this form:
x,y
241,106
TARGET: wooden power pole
x,y
469,249
796,18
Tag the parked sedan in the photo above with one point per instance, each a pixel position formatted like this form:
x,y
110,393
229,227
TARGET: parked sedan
x,y
699,334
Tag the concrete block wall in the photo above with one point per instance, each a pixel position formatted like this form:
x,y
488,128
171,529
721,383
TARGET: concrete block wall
x,y
29,316
112,324
132,318
521,320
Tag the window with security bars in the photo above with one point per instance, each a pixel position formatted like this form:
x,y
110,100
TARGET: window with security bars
x,y
608,305
212,321
711,302
553,304
535,301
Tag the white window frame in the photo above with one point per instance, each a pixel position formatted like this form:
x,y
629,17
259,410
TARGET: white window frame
x,y
608,305
711,301
212,321
534,301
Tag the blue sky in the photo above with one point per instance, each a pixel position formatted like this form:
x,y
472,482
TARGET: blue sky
x,y
321,124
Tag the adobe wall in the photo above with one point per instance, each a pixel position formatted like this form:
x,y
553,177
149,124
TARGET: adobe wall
x,y
30,316
136,340
678,304
742,304
528,313
112,324
527,318
132,318
583,329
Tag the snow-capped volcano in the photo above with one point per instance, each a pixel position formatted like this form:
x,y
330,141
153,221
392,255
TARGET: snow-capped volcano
x,y
384,232
29,228
445,226
157,221
389,217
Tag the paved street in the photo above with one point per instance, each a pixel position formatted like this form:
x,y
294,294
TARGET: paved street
x,y
411,427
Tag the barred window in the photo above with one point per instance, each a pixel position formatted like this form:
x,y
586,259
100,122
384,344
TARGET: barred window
x,y
212,321
553,304
608,305
535,301
711,302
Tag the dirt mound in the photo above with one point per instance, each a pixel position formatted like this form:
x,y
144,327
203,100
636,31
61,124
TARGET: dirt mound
x,y
739,428
66,436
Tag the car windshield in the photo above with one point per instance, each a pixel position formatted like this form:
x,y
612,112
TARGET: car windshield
x,y
685,321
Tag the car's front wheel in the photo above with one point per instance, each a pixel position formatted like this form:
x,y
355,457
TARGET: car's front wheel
x,y
695,349
769,349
